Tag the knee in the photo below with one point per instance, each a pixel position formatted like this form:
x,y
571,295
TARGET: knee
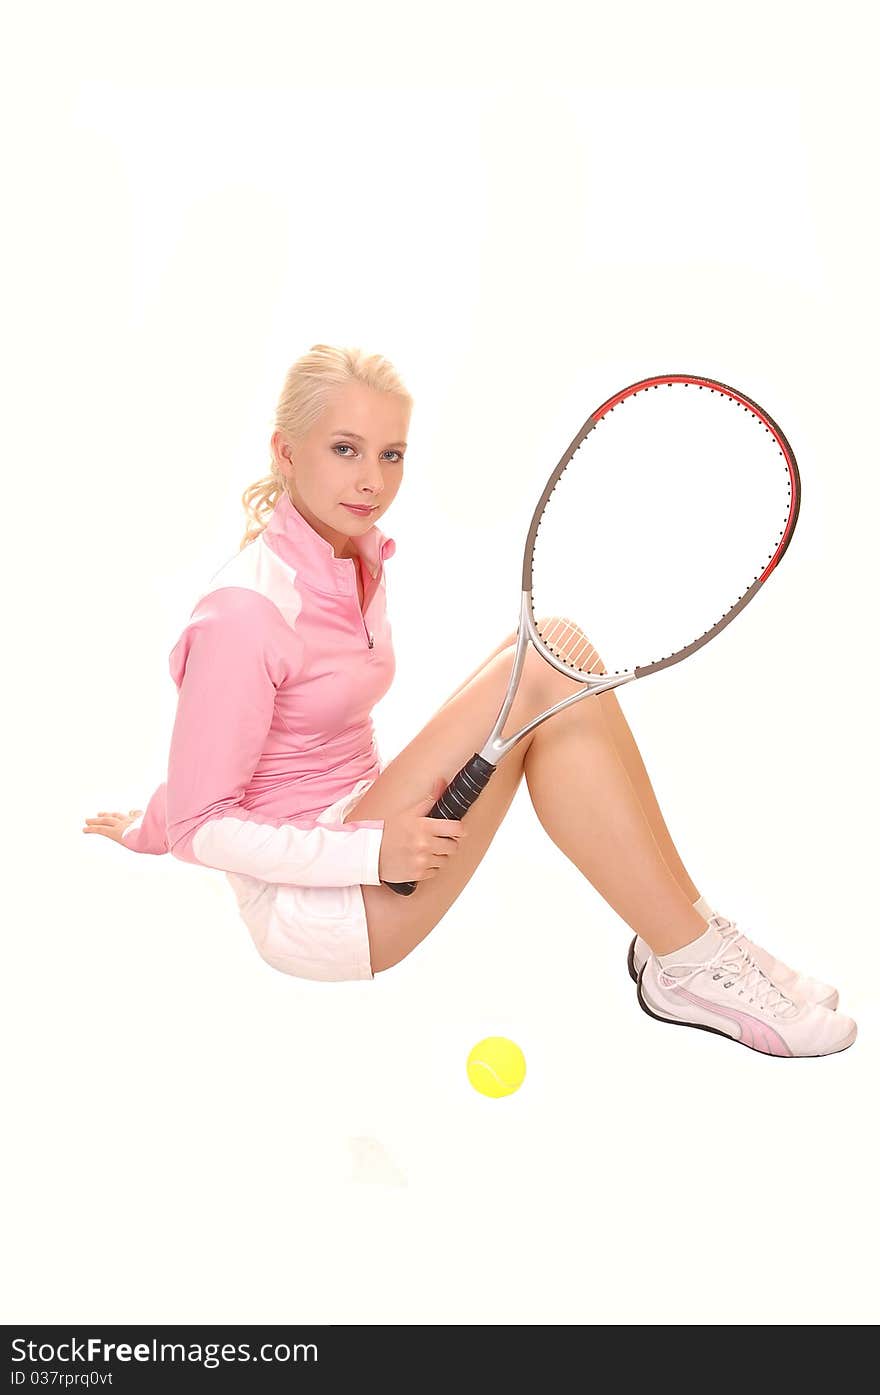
x,y
568,641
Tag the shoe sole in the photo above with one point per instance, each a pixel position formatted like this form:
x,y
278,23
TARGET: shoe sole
x,y
631,960
716,1031
631,965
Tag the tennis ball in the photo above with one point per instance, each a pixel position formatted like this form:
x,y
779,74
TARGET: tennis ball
x,y
496,1067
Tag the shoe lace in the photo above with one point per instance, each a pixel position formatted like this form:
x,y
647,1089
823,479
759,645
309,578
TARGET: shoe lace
x,y
733,964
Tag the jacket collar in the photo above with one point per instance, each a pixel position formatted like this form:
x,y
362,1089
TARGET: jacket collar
x,y
295,541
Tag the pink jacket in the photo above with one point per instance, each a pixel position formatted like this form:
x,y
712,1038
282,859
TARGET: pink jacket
x,y
277,673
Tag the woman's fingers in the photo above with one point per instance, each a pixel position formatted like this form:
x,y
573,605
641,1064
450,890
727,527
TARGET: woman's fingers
x,y
111,825
442,841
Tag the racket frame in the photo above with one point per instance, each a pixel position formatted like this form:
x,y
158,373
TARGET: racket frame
x,y
467,785
497,748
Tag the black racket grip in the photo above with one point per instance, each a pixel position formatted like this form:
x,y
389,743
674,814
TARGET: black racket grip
x,y
454,803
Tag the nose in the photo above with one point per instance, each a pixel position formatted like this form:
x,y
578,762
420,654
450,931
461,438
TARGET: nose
x,y
371,487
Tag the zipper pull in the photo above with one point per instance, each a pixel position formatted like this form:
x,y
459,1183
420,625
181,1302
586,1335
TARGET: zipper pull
x,y
371,639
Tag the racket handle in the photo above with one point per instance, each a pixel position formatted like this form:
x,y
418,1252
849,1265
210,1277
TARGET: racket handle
x,y
454,802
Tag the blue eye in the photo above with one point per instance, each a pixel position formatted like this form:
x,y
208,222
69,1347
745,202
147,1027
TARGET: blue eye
x,y
343,445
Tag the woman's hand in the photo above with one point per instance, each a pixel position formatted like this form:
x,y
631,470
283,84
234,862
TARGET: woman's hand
x,y
111,825
415,847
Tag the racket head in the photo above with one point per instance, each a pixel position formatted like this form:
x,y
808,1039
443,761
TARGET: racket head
x,y
697,461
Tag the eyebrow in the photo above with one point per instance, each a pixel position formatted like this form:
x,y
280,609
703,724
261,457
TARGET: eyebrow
x,y
356,437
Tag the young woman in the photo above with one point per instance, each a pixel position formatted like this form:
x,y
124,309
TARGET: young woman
x,y
273,751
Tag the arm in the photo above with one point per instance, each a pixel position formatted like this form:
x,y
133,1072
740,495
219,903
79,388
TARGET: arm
x,y
227,665
147,833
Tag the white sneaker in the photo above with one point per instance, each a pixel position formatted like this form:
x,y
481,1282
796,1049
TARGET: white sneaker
x,y
725,991
798,986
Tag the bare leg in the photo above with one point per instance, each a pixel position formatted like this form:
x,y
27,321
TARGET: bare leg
x,y
631,836
585,800
632,762
631,758
581,791
397,924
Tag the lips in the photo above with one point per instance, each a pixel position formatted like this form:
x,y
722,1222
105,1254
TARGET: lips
x,y
360,508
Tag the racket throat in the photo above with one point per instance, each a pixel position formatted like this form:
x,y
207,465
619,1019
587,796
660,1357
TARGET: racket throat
x,y
496,748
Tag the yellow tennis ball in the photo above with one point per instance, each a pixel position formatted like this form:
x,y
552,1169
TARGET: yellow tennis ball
x,y
496,1067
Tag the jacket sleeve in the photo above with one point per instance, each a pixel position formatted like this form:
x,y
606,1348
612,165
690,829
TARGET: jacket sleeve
x,y
148,834
228,665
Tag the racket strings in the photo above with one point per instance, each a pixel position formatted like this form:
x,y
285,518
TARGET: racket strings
x,y
659,525
569,643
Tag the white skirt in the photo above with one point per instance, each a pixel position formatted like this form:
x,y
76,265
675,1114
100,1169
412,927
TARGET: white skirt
x,y
317,932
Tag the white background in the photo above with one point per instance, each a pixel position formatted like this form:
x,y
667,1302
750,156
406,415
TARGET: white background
x,y
524,208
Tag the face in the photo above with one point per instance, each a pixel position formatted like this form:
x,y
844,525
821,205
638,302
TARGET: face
x,y
352,455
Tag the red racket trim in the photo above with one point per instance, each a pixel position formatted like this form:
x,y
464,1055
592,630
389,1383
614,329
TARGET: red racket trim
x,y
667,379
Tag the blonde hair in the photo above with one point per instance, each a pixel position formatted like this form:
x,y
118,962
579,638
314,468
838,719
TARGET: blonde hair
x,y
308,388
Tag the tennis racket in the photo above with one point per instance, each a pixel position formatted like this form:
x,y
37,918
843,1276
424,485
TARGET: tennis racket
x,y
671,507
